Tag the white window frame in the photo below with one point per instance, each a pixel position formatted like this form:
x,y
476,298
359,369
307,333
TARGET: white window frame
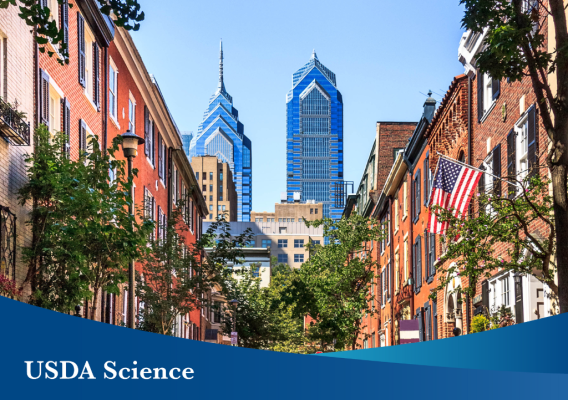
x,y
522,144
498,296
131,113
89,84
113,92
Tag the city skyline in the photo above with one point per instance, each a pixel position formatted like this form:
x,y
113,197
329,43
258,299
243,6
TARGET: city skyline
x,y
380,77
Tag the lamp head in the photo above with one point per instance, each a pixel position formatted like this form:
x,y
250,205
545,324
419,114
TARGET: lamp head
x,y
130,143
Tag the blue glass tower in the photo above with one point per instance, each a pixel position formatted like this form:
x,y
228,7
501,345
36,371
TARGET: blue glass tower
x,y
221,134
314,136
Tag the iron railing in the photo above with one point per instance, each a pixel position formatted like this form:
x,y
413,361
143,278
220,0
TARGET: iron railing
x,y
7,242
13,127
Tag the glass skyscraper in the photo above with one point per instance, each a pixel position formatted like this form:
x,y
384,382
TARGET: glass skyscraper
x,y
186,141
221,134
314,137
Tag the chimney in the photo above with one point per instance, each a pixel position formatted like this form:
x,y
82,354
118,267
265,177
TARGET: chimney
x,y
429,107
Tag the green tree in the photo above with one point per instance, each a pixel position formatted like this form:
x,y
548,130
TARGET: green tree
x,y
515,47
504,222
83,236
336,280
279,268
36,14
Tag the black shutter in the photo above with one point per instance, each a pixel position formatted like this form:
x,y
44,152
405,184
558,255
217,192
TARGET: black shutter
x,y
481,186
426,255
82,136
414,265
426,183
432,254
146,131
418,206
419,264
511,161
66,126
44,99
485,295
160,159
81,48
479,95
65,22
153,144
496,88
497,170
519,299
533,141
96,76
420,314
427,322
434,320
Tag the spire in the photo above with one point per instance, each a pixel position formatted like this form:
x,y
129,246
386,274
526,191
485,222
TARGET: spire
x,y
221,83
314,55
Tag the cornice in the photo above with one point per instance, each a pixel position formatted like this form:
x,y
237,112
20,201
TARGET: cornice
x,y
90,10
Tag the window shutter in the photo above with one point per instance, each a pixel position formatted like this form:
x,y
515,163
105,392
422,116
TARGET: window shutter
x,y
434,320
426,188
420,314
96,76
432,254
65,22
153,143
495,88
511,161
419,261
519,299
414,265
533,141
426,255
485,295
44,99
479,78
427,322
82,136
160,156
481,184
146,131
497,170
418,207
81,48
66,122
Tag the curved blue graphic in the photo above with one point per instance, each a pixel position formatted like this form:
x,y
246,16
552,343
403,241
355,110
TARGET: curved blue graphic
x,y
33,334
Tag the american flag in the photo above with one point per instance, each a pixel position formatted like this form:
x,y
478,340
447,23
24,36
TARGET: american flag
x,y
452,190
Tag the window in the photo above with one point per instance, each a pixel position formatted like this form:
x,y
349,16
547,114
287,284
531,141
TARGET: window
x,y
258,220
197,175
161,225
417,261
298,258
500,293
405,199
430,255
149,207
396,205
221,176
210,207
315,242
210,188
113,91
282,243
427,179
405,264
283,258
373,342
204,188
298,243
396,152
384,287
266,243
131,115
505,291
416,207
210,176
396,271
223,207
162,162
282,230
489,182
488,91
210,197
220,189
522,151
316,211
311,210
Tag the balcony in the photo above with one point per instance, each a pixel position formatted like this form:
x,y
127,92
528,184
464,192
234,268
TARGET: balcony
x,y
13,127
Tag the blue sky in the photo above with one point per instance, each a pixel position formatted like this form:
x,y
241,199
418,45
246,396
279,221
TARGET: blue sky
x,y
384,53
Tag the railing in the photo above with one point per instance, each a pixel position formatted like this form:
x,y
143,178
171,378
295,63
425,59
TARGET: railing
x,y
7,242
13,127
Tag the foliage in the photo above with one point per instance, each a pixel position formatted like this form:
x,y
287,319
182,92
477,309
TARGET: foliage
x,y
336,280
501,318
504,222
8,287
176,275
279,268
480,323
514,48
83,234
126,13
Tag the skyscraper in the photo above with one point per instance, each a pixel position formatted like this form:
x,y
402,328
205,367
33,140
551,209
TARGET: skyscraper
x,y
314,137
186,137
221,134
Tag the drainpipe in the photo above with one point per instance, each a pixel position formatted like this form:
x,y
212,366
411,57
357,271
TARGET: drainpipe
x,y
391,267
470,161
410,242
105,100
36,81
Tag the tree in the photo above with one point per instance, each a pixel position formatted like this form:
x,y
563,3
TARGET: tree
x,y
503,222
279,268
126,13
336,281
515,48
83,235
176,275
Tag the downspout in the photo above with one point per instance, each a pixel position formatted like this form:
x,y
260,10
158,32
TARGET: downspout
x,y
169,182
105,101
470,161
410,242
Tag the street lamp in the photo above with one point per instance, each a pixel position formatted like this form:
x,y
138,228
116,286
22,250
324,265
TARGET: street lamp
x,y
130,143
235,304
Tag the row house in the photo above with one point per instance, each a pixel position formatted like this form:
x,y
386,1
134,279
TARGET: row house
x,y
102,91
494,126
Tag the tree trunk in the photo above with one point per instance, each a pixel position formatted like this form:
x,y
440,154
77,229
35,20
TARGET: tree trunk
x,y
95,302
559,190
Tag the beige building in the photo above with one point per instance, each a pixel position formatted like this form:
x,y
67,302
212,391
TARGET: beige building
x,y
16,96
216,183
290,212
287,240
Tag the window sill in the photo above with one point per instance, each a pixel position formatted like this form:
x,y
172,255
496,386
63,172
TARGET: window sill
x,y
87,96
430,279
150,162
114,121
488,111
404,217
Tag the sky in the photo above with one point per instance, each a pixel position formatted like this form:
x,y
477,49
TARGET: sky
x,y
385,54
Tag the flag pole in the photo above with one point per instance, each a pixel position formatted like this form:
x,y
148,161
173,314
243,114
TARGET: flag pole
x,y
472,167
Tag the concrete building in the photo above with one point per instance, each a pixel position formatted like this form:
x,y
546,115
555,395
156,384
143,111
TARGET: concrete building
x,y
17,96
215,180
287,240
290,212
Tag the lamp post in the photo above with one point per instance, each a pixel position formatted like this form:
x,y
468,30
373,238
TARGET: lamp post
x,y
130,143
235,304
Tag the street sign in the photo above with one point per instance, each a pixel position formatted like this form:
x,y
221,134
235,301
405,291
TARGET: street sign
x,y
234,337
